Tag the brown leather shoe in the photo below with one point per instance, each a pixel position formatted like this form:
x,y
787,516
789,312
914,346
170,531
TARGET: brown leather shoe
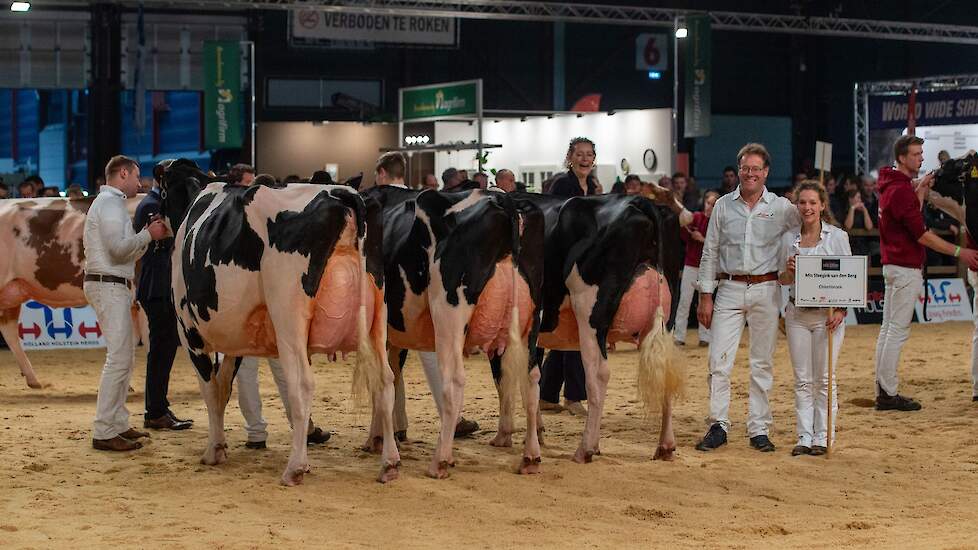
x,y
117,443
133,434
167,422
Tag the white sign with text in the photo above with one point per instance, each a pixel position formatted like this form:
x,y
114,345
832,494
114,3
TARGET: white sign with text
x,y
830,281
44,327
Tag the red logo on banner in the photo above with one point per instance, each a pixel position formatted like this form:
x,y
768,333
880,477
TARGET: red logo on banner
x,y
85,330
309,19
35,330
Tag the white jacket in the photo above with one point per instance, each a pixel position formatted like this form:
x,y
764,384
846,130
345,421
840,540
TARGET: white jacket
x,y
111,245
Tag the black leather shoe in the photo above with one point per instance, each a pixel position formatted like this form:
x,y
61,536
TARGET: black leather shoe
x,y
801,450
714,438
897,402
466,427
317,436
255,445
166,422
762,443
175,419
818,450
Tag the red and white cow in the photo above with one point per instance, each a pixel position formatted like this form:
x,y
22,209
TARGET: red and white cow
x,y
43,260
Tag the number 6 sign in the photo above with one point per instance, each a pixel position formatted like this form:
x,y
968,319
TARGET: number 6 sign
x,y
651,52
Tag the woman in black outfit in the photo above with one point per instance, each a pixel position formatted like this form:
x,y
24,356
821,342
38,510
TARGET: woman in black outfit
x,y
565,367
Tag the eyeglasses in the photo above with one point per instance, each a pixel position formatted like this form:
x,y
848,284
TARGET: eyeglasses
x,y
751,170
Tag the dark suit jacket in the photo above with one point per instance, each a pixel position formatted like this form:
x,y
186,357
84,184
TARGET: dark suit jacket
x,y
154,275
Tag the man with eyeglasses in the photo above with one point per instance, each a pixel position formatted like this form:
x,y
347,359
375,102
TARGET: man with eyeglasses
x,y
738,284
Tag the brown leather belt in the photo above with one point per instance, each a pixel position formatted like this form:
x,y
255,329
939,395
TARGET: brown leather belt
x,y
749,279
107,279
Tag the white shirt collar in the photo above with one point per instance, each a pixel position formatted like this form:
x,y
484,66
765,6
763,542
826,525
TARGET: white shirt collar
x,y
766,196
112,191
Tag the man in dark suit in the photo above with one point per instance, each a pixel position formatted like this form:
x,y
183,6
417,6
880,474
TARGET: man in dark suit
x,y
153,294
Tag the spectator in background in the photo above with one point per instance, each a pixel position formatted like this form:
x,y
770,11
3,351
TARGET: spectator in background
x,y
942,157
37,182
321,177
799,177
50,192
145,184
693,190
241,174
857,215
680,187
450,178
292,178
25,190
482,179
463,175
430,181
4,190
506,180
694,235
75,192
665,181
633,185
728,182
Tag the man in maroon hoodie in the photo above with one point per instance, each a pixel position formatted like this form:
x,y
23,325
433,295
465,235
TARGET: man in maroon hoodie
x,y
903,237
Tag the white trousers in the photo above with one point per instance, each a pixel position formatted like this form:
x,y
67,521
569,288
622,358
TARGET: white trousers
x,y
429,362
687,287
807,345
973,281
733,304
249,398
112,302
902,286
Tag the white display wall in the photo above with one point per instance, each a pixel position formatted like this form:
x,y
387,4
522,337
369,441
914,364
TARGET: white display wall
x,y
538,144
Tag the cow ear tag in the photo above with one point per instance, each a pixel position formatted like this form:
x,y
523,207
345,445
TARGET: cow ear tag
x,y
974,171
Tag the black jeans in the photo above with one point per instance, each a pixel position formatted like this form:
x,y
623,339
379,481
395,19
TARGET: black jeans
x,y
163,344
563,368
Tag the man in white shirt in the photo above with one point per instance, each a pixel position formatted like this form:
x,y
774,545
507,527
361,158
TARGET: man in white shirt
x,y
111,250
749,224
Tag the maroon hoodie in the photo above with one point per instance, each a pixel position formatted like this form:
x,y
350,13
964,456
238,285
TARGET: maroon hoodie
x,y
901,221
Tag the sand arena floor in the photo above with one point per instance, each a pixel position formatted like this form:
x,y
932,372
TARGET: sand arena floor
x,y
900,479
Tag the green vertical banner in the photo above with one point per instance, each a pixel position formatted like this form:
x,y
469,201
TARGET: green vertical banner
x,y
696,112
222,94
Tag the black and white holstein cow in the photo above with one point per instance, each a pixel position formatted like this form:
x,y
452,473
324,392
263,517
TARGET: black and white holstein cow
x,y
286,272
610,262
464,271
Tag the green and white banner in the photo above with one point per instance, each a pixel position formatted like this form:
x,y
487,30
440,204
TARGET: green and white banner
x,y
440,100
698,77
222,94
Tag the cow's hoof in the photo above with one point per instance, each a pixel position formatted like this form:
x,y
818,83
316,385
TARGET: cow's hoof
x,y
583,457
373,445
215,454
530,465
33,383
389,472
441,470
294,476
667,453
502,440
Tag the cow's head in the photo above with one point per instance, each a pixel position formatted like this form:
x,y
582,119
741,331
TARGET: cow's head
x,y
957,179
180,181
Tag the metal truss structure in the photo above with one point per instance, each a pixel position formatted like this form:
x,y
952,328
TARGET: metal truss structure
x,y
863,90
585,13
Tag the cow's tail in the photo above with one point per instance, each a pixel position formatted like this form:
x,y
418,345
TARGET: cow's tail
x,y
368,375
515,378
660,378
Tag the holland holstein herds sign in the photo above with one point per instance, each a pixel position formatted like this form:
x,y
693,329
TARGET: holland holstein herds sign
x,y
830,281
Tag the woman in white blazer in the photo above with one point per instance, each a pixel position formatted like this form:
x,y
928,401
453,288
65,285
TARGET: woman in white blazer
x,y
807,328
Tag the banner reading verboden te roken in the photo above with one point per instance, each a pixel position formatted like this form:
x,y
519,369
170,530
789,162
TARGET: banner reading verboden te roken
x,y
697,103
222,94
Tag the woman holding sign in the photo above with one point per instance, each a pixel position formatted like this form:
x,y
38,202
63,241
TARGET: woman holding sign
x,y
807,328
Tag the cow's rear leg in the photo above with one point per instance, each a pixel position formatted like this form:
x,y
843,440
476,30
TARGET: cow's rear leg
x,y
667,440
450,324
504,432
216,392
298,378
8,327
531,445
375,437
